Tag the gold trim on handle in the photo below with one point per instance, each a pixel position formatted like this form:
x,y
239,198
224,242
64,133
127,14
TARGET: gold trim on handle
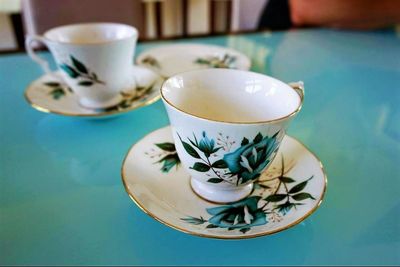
x,y
299,87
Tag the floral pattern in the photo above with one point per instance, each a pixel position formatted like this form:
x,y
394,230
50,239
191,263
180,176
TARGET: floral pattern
x,y
128,98
166,155
244,164
251,158
151,62
58,90
78,70
267,204
241,215
219,61
275,193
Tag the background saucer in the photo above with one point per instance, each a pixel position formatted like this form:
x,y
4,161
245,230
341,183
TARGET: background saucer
x,y
48,94
169,60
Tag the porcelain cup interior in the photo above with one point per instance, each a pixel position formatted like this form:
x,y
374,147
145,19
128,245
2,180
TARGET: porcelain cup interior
x,y
231,96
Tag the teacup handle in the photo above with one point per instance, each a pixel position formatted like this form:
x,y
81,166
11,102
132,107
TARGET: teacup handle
x,y
42,63
299,88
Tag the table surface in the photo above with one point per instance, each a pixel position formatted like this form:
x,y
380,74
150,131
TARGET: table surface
x,y
62,200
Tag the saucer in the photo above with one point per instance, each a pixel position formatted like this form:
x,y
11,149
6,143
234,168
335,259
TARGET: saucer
x,y
168,60
48,94
287,193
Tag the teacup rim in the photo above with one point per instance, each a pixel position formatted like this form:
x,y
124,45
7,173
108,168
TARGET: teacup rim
x,y
135,33
290,115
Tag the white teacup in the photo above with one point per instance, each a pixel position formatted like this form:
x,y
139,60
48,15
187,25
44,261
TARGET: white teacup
x,y
227,127
95,59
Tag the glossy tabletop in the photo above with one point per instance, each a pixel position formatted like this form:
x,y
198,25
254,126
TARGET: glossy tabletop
x,y
62,200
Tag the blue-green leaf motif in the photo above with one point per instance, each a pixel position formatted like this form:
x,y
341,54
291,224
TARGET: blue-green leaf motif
x,y
78,70
238,215
255,209
194,220
189,149
245,141
218,61
200,167
169,156
207,146
251,159
299,187
169,161
302,196
285,207
57,90
79,65
215,180
70,71
167,146
57,93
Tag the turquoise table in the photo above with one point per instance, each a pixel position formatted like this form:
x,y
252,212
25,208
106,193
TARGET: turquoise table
x,y
62,200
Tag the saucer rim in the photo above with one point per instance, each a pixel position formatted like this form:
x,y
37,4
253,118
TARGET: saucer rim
x,y
91,115
214,236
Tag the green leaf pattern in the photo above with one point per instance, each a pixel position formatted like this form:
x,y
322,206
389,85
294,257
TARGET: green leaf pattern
x,y
215,180
219,61
244,164
78,70
58,90
167,156
267,204
201,167
151,62
256,210
129,98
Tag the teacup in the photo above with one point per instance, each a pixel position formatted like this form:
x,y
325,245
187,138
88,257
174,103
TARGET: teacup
x,y
227,127
95,59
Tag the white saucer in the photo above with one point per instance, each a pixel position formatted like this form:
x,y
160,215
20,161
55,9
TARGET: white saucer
x,y
48,94
156,182
168,60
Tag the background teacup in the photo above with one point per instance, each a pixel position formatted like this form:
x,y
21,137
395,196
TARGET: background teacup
x,y
227,127
95,59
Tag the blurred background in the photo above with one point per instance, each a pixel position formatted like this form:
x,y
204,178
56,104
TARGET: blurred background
x,y
163,19
154,19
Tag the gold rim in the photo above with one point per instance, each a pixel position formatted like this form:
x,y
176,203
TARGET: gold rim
x,y
141,207
293,113
99,114
134,35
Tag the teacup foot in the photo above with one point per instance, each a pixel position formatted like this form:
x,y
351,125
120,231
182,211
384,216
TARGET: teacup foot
x,y
217,195
88,103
